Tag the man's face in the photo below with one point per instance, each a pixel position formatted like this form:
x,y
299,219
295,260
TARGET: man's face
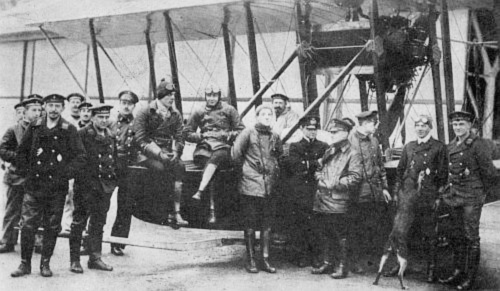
x,y
168,100
338,135
370,125
33,112
85,114
422,129
212,98
74,103
279,106
461,127
310,132
265,117
19,113
101,120
54,110
127,107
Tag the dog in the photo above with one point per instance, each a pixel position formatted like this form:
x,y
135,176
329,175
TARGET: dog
x,y
397,242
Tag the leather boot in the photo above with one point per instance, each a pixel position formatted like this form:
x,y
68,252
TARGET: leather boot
x,y
45,267
98,264
23,269
459,256
27,245
75,242
264,245
473,264
431,265
76,267
341,270
250,266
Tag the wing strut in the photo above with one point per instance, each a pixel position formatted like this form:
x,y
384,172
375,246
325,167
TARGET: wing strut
x,y
96,60
317,102
62,59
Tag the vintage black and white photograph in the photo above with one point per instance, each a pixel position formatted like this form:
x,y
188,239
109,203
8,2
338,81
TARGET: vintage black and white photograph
x,y
249,145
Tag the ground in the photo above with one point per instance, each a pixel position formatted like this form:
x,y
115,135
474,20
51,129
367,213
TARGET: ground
x,y
201,268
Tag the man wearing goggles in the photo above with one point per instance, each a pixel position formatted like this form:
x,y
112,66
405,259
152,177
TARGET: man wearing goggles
x,y
219,124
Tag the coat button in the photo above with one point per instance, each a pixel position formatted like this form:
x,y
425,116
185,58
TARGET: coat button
x,y
53,151
100,166
39,162
99,175
461,154
50,177
110,156
55,137
450,164
51,164
99,156
451,184
37,175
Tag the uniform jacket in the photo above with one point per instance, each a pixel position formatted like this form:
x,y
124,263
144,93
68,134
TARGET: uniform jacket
x,y
430,157
471,170
223,120
300,166
50,157
373,169
99,171
259,149
150,127
342,174
8,147
286,120
123,130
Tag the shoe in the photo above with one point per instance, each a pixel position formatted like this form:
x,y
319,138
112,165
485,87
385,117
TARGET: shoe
x,y
266,267
117,251
45,267
98,264
23,269
457,274
76,267
211,217
6,248
197,195
323,269
250,265
340,271
180,221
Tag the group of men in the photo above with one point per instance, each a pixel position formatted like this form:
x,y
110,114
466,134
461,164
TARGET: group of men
x,y
340,194
337,195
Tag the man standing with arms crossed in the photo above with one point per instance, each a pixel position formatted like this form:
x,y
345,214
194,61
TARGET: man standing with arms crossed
x,y
50,153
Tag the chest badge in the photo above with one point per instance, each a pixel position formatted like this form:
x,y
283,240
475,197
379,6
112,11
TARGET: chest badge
x,y
39,151
412,164
427,171
59,158
467,172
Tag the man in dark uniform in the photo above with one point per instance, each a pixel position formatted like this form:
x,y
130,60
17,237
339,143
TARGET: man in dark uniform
x,y
301,164
50,153
219,124
372,219
127,156
429,156
471,174
85,114
158,129
94,185
15,190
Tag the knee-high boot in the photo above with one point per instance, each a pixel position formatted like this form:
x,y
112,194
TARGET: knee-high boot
x,y
459,256
264,245
48,245
250,266
431,263
27,245
342,269
474,256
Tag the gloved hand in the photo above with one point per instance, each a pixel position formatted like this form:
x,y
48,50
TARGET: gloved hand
x,y
165,156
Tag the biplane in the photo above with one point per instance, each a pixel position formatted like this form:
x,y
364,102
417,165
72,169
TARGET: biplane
x,y
384,48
